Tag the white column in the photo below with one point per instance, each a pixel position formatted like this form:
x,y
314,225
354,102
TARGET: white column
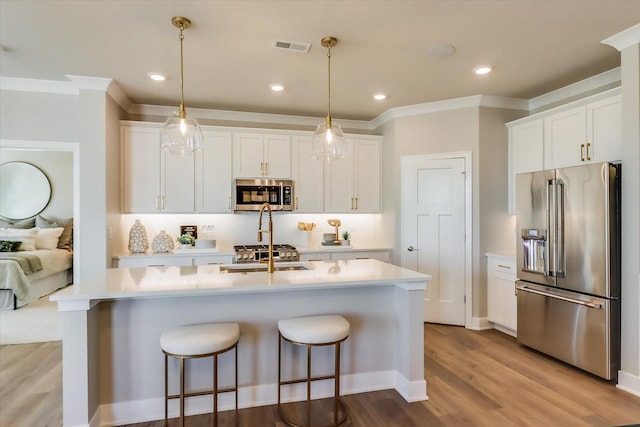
x,y
628,43
409,307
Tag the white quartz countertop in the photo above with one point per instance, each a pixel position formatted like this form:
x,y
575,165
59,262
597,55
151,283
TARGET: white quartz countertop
x,y
158,282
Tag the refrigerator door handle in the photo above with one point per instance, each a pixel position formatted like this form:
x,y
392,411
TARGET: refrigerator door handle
x,y
551,247
590,304
559,253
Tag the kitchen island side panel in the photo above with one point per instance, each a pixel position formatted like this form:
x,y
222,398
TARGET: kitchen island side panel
x,y
131,362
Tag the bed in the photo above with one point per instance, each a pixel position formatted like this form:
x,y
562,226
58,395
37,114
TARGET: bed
x,y
18,289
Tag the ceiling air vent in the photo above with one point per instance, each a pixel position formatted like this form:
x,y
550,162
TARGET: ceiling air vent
x,y
294,46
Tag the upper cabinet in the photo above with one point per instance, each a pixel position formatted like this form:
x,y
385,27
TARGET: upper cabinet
x,y
213,173
307,174
258,155
352,184
584,134
154,180
587,131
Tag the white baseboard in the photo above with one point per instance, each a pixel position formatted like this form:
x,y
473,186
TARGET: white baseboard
x,y
629,383
505,330
479,324
139,411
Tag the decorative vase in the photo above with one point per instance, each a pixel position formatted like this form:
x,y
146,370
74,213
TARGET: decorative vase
x,y
186,246
138,242
162,243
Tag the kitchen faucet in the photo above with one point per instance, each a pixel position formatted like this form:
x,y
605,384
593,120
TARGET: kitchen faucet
x,y
269,261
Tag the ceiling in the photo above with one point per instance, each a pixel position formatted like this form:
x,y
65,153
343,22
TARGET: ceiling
x,y
229,62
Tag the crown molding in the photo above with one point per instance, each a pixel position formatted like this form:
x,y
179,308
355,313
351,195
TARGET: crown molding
x,y
243,116
34,85
624,39
71,87
600,81
450,104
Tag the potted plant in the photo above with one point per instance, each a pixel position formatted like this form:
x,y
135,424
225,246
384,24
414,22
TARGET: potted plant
x,y
346,238
186,240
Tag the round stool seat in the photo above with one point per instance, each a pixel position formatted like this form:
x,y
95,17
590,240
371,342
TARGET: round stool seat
x,y
314,329
193,340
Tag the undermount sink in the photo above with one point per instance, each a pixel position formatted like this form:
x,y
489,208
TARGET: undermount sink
x,y
253,268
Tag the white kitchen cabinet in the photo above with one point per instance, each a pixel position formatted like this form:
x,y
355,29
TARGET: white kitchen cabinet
x,y
502,303
170,260
584,134
352,184
154,180
258,155
526,142
307,175
346,254
213,184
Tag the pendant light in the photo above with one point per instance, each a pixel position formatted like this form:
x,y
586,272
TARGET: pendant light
x,y
328,140
181,135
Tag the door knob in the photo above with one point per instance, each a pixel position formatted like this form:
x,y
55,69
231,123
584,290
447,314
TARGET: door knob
x,y
410,248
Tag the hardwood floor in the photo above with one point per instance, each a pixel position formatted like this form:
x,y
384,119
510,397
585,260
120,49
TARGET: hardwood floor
x,y
474,379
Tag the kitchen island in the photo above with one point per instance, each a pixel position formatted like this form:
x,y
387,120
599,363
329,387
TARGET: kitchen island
x,y
113,365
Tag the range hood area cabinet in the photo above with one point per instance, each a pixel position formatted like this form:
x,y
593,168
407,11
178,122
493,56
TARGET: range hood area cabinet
x,y
155,181
261,156
352,184
581,132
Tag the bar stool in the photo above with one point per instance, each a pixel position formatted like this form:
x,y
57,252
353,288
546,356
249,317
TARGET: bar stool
x,y
196,341
314,331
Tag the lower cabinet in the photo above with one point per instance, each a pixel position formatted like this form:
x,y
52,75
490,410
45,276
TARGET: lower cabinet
x,y
347,254
170,260
502,303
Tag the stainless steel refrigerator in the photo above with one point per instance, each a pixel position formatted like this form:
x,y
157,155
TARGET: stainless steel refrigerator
x,y
568,255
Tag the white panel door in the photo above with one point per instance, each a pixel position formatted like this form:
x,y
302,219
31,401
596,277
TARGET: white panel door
x,y
366,181
604,130
277,156
178,183
433,233
338,182
140,169
308,176
248,156
565,138
213,173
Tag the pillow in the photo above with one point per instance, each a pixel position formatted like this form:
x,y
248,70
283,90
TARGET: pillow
x,y
27,237
9,246
66,238
25,223
47,238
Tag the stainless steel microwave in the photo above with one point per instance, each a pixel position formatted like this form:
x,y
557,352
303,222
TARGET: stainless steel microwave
x,y
250,194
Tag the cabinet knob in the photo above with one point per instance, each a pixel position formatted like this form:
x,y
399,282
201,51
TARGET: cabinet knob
x,y
410,249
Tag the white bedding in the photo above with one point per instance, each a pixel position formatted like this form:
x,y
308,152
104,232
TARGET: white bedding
x,y
12,277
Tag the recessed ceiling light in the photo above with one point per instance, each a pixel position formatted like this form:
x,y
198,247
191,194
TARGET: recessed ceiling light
x,y
482,69
277,87
157,76
379,96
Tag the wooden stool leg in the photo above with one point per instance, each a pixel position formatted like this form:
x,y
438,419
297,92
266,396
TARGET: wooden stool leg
x,y
236,351
279,366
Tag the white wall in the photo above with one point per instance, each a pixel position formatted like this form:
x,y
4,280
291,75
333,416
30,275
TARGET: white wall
x,y
479,130
58,167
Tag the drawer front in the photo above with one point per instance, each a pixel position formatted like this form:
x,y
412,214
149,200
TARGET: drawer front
x,y
315,257
213,260
379,255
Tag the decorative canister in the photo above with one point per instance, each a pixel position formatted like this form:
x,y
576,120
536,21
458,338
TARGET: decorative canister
x,y
162,243
138,242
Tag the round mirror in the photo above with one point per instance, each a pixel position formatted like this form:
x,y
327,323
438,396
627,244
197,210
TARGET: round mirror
x,y
24,190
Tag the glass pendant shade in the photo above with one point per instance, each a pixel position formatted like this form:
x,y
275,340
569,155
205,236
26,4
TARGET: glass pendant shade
x,y
181,136
328,142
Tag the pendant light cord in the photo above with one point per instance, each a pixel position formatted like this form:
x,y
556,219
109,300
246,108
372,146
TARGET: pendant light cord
x,y
183,113
329,85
